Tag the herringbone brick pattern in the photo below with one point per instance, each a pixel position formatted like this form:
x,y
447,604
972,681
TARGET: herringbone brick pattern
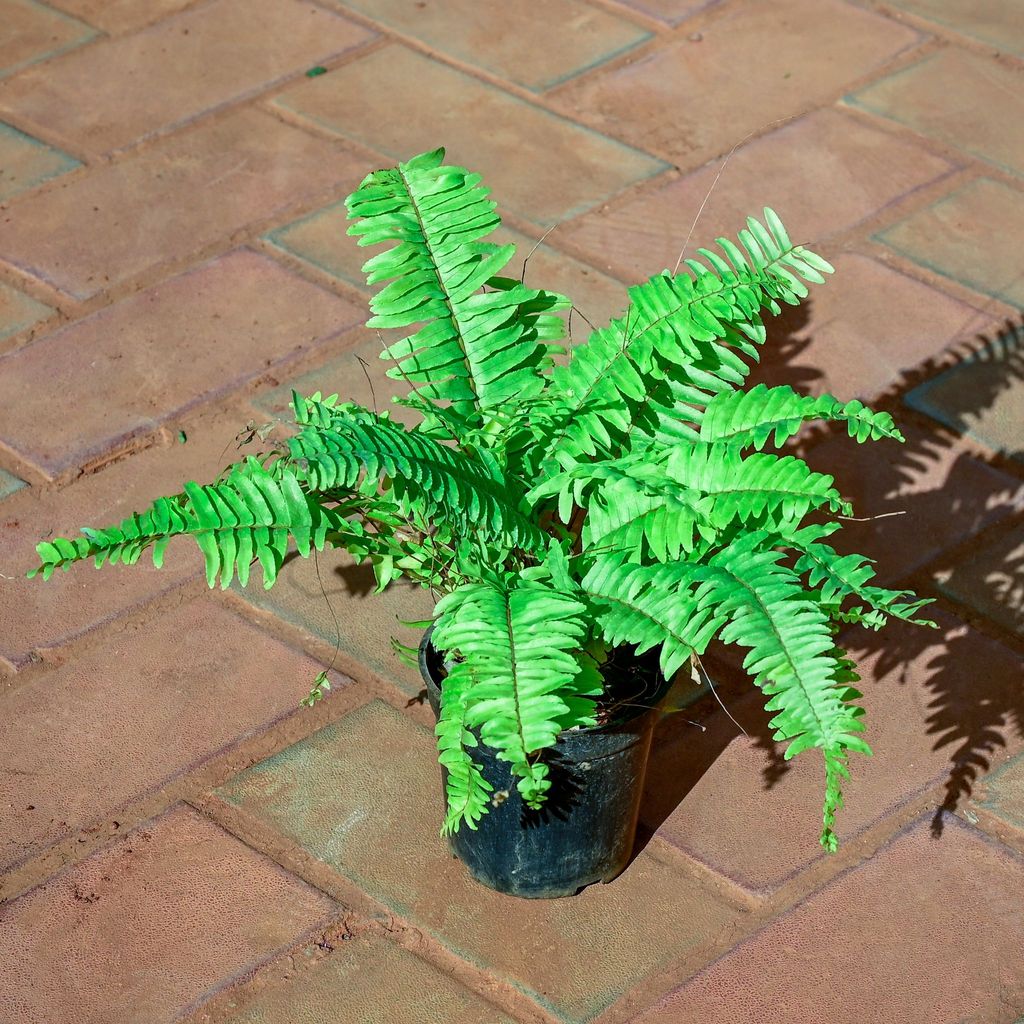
x,y
179,840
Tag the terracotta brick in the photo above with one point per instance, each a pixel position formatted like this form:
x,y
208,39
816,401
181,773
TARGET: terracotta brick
x,y
983,395
560,169
158,699
822,174
118,16
1003,792
513,43
672,12
927,932
9,484
346,376
320,240
972,117
41,615
954,238
932,719
194,190
165,350
988,21
991,580
365,621
689,102
376,981
120,90
18,311
370,783
942,492
148,929
26,162
863,332
33,32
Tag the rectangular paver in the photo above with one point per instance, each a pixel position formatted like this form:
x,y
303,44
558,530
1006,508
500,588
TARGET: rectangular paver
x,y
19,311
114,724
33,32
370,783
119,16
940,492
927,932
954,237
688,101
929,715
169,348
513,43
193,190
371,981
333,600
989,21
973,117
37,615
822,174
26,162
863,332
560,168
144,931
982,395
124,89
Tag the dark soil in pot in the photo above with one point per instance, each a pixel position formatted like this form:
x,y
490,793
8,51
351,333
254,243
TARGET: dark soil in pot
x,y
585,831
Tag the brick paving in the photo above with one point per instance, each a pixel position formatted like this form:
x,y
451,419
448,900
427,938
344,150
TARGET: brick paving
x,y
179,840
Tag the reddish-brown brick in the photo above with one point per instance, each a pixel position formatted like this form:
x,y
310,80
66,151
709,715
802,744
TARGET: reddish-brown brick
x,y
939,492
932,720
18,311
954,237
972,117
33,32
373,980
37,615
148,929
863,332
672,12
925,933
118,91
133,365
560,169
193,191
157,699
26,162
513,43
689,102
989,21
370,784
822,174
117,16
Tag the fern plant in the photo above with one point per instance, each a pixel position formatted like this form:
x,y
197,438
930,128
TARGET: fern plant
x,y
625,495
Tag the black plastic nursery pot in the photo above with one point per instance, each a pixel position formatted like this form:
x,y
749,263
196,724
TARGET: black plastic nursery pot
x,y
586,829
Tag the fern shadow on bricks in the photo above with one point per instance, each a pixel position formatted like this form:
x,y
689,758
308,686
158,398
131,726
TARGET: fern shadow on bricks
x,y
959,536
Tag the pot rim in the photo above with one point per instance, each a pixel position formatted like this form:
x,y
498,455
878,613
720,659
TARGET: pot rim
x,y
611,726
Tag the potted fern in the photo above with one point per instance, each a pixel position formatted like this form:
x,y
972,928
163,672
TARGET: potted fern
x,y
589,524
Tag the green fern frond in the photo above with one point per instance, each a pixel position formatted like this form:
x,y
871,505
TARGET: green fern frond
x,y
356,451
466,789
518,649
650,606
250,515
839,577
751,418
695,330
477,350
792,658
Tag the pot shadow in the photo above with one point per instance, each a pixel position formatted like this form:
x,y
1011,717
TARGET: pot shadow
x,y
951,500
